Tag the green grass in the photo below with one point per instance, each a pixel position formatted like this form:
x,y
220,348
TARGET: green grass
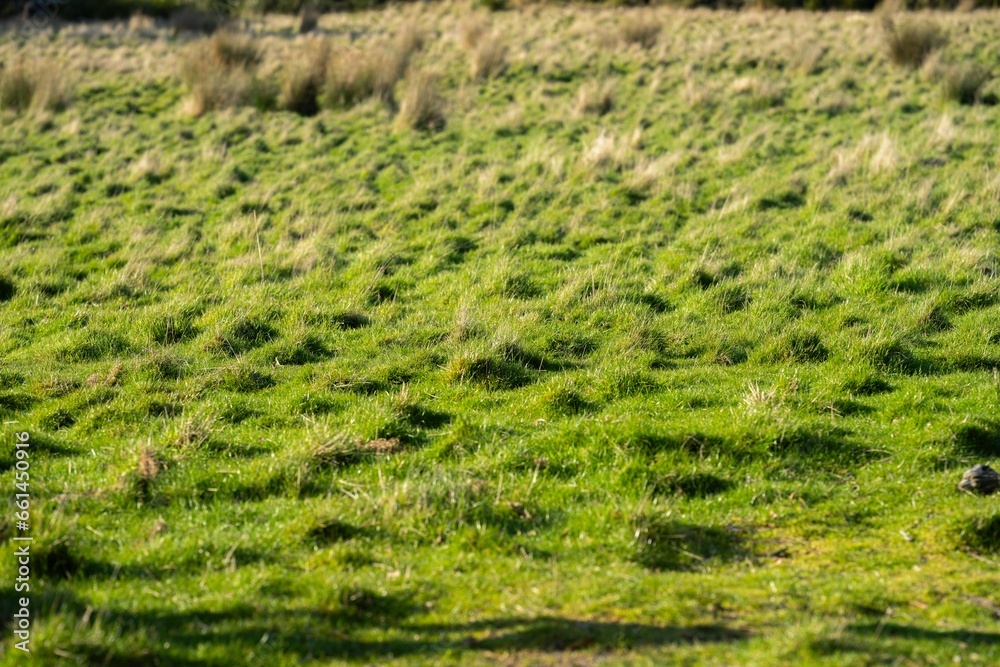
x,y
691,380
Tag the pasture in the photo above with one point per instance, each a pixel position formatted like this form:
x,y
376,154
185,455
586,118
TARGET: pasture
x,y
551,336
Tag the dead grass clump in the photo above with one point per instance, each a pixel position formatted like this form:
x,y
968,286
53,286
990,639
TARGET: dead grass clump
x,y
303,82
409,39
353,76
760,93
17,88
423,107
640,28
595,97
194,431
911,41
962,83
220,73
31,87
607,152
488,58
471,29
232,50
144,476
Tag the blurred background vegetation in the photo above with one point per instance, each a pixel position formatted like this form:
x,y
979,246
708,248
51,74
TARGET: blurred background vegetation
x,y
111,9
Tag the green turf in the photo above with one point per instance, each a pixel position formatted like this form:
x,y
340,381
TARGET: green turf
x,y
690,382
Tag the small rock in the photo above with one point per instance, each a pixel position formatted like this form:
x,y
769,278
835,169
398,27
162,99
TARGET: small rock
x,y
980,479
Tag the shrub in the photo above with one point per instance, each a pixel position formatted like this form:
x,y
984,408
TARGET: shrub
x,y
641,29
910,42
422,107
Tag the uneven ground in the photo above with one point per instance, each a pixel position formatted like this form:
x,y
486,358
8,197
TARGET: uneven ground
x,y
689,382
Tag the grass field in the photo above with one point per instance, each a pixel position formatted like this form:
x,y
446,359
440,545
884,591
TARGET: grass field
x,y
558,336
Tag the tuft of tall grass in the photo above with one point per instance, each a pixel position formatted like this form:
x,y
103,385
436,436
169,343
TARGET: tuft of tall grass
x,y
640,28
910,42
595,97
488,58
471,29
409,39
303,83
962,83
423,107
31,87
220,72
353,76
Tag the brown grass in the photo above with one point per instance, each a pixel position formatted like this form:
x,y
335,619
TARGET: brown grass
x,y
423,107
409,39
911,41
32,87
640,28
303,82
595,97
219,73
488,58
354,76
471,29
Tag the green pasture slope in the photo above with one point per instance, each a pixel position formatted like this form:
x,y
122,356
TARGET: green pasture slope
x,y
665,352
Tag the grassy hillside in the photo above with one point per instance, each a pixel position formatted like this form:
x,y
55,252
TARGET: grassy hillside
x,y
563,336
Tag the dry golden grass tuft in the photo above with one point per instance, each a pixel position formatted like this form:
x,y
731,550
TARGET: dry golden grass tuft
x,y
409,39
355,75
303,83
640,28
761,93
147,469
471,29
488,58
194,431
608,152
231,50
34,87
219,73
423,107
595,97
911,41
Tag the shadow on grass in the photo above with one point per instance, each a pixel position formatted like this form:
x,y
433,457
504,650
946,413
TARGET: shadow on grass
x,y
910,632
864,638
342,630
